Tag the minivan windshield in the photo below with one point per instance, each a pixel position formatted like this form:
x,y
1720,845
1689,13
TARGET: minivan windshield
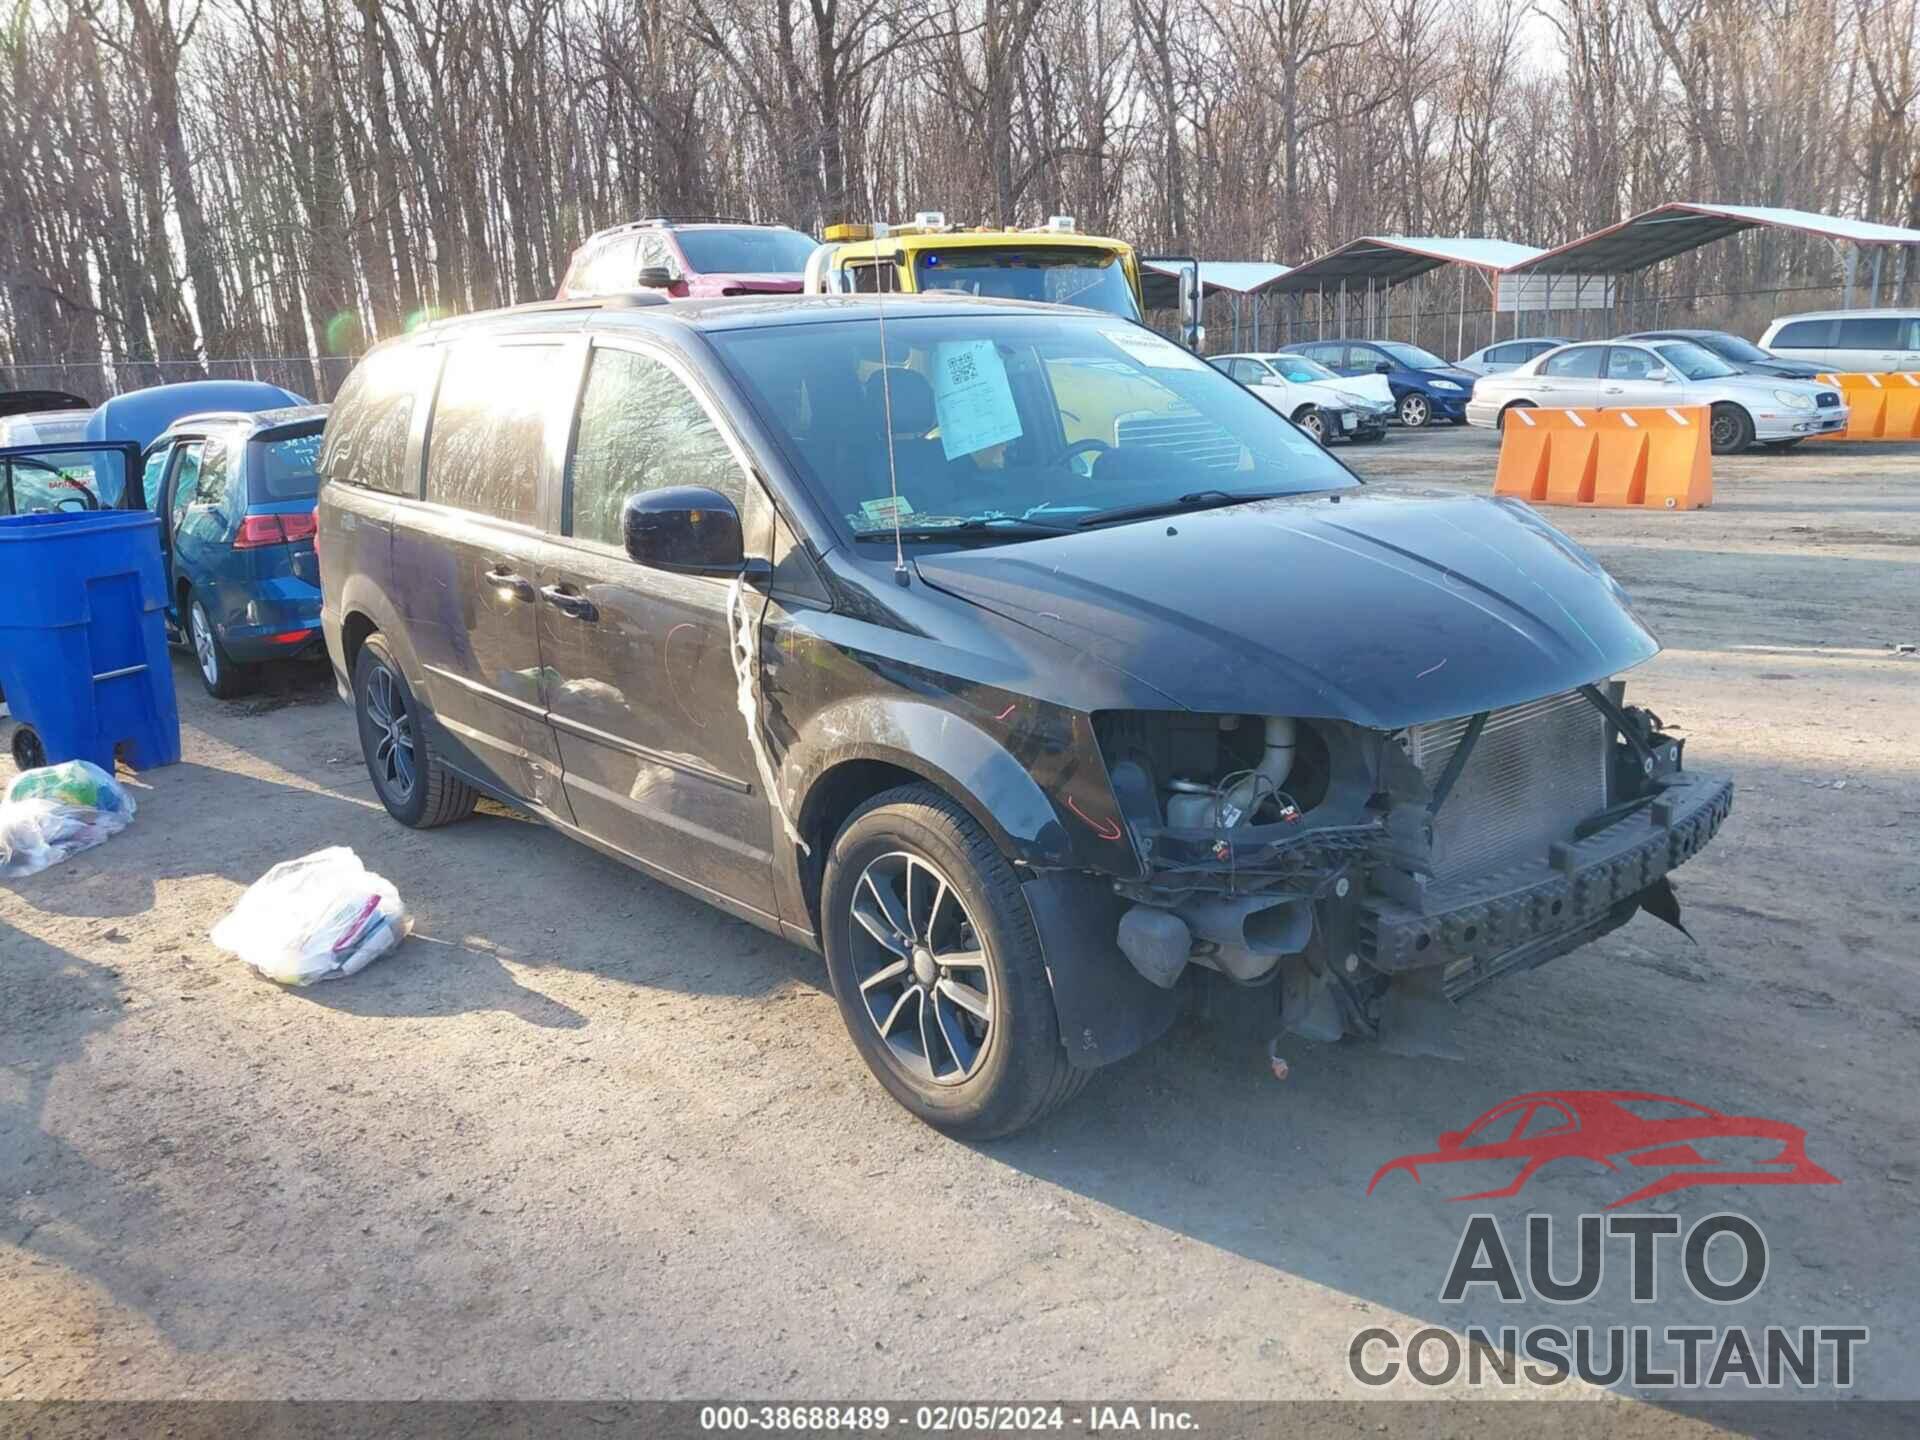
x,y
999,419
1413,357
1693,361
1061,275
746,250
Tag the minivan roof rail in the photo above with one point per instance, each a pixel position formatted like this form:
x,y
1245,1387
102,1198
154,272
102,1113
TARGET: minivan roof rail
x,y
619,300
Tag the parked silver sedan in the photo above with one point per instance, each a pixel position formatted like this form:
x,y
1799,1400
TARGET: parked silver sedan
x,y
1617,374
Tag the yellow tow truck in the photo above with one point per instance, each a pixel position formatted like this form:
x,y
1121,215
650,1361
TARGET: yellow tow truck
x,y
1052,262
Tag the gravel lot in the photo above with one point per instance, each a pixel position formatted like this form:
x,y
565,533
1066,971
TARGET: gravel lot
x,y
585,1137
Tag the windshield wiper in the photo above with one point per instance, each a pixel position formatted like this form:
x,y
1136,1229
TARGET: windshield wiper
x,y
996,528
1192,500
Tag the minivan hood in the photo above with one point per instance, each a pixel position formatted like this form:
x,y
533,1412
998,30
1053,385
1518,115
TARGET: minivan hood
x,y
1385,609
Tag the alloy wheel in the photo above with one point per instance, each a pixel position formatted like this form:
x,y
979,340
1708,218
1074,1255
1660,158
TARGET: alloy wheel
x,y
924,979
1415,411
392,733
1315,426
203,646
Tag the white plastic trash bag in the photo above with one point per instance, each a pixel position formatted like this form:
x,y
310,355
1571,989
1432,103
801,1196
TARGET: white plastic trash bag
x,y
322,917
56,811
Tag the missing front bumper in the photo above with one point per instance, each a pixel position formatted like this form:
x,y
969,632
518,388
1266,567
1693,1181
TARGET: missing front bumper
x,y
1487,926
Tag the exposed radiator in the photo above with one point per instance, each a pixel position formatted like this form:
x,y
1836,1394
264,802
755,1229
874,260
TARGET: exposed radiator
x,y
1537,770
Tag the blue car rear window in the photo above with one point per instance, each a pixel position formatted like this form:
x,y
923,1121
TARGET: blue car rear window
x,y
287,469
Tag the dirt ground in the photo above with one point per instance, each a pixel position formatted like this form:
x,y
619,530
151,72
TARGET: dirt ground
x,y
585,1137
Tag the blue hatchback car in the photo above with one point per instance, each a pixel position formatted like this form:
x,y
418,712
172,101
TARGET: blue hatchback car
x,y
1425,387
236,495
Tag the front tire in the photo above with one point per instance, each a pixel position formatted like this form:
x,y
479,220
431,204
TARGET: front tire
x,y
1730,430
1309,420
224,677
1416,411
938,970
410,779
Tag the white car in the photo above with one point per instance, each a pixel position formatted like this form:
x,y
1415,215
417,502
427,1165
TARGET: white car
x,y
1615,375
1505,355
1327,406
1860,341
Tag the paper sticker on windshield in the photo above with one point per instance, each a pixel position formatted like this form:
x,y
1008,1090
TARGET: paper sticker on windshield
x,y
886,509
972,397
1155,350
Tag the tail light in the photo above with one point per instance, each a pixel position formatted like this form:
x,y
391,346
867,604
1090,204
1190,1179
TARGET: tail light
x,y
257,531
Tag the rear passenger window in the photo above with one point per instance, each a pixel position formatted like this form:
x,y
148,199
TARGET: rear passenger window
x,y
1804,334
489,429
640,428
1870,332
1583,363
367,429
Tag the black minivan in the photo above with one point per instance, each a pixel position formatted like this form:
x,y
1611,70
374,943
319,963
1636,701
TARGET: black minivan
x,y
1009,655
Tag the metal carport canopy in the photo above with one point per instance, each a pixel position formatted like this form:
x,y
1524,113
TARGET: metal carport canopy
x,y
1391,259
1679,226
1230,277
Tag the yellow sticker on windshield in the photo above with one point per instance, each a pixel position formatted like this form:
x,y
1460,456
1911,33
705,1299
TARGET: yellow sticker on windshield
x,y
972,397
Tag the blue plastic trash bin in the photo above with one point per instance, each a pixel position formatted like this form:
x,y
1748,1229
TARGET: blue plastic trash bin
x,y
83,645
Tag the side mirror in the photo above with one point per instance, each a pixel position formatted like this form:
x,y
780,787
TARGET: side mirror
x,y
1383,368
688,529
655,277
1664,377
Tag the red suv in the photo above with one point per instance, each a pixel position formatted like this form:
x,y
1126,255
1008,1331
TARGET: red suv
x,y
707,256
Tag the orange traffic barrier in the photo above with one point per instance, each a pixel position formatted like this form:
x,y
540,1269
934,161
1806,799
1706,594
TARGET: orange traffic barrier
x,y
1881,407
1657,459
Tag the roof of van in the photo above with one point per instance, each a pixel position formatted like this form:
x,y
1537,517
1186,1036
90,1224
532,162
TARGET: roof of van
x,y
256,421
1897,314
735,312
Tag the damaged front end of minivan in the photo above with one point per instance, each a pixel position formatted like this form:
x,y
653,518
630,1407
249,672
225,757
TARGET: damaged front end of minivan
x,y
1376,875
1397,760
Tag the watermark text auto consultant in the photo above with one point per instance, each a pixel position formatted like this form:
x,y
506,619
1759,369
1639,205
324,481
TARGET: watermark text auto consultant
x,y
1719,1258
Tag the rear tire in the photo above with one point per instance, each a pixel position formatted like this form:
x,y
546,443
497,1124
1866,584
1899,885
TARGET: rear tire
x,y
938,970
224,677
1730,430
417,789
29,751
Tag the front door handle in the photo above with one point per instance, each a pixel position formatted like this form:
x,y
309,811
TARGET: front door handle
x,y
510,584
569,601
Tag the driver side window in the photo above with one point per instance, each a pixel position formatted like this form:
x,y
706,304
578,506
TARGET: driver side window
x,y
1624,362
640,428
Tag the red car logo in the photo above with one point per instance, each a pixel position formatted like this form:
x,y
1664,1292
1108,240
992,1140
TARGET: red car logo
x,y
1623,1127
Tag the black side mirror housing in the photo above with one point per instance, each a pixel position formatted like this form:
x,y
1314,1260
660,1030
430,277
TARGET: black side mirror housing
x,y
655,277
1383,368
687,529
